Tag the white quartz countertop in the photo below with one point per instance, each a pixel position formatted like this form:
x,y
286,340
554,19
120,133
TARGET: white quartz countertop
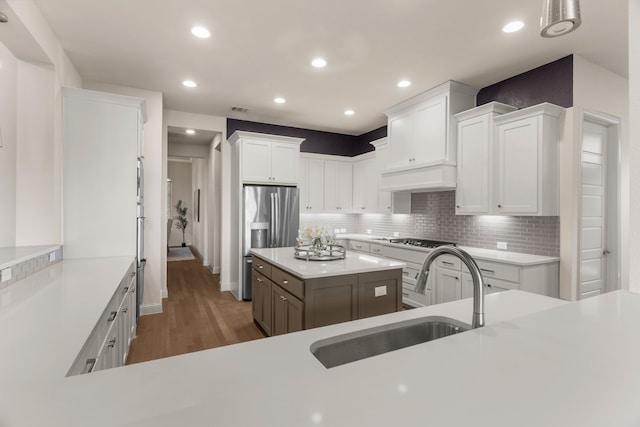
x,y
46,318
538,362
506,257
352,264
17,254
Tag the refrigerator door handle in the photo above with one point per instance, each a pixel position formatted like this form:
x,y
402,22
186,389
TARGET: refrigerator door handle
x,y
276,212
272,221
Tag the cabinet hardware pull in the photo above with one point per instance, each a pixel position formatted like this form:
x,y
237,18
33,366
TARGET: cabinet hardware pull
x,y
499,206
488,271
112,343
406,273
488,285
124,310
447,263
458,206
259,279
133,273
285,282
125,289
260,266
112,316
416,275
405,295
457,278
90,364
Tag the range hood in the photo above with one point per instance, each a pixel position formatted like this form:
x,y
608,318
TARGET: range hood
x,y
426,177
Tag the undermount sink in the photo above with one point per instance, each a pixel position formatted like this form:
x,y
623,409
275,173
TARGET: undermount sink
x,y
347,348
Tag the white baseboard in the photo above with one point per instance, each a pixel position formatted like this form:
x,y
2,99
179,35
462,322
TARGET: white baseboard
x,y
214,270
165,293
150,309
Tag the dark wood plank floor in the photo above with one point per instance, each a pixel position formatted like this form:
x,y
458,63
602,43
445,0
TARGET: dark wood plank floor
x,y
196,316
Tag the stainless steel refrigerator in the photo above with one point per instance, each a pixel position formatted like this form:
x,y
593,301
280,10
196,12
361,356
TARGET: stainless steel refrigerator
x,y
271,220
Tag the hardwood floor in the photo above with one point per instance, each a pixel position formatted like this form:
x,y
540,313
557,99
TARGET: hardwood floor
x,y
196,316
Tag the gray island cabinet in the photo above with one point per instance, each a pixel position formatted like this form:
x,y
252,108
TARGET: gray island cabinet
x,y
290,295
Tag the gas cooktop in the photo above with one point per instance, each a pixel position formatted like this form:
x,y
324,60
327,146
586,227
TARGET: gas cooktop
x,y
423,243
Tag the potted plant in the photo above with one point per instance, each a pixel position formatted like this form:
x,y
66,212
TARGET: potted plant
x,y
181,220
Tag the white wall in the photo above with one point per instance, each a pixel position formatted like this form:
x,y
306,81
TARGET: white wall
x,y
200,228
8,122
155,189
180,174
179,149
632,156
595,89
213,201
38,213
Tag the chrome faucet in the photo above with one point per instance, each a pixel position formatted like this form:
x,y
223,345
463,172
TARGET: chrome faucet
x,y
476,276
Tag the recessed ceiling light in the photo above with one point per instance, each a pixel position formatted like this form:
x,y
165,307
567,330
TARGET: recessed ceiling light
x,y
200,32
512,27
190,132
319,63
189,83
404,83
279,100
349,112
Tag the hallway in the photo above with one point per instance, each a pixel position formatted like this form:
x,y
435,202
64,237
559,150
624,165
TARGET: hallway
x,y
196,316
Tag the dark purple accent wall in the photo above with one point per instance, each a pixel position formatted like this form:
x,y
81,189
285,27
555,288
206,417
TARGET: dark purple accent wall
x,y
551,82
363,145
315,141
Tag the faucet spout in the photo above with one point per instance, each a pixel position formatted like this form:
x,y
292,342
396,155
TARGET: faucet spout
x,y
476,277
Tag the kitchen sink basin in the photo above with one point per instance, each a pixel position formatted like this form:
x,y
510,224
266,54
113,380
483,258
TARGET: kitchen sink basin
x,y
347,348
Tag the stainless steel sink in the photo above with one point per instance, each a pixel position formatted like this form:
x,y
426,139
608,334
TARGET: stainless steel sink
x,y
347,348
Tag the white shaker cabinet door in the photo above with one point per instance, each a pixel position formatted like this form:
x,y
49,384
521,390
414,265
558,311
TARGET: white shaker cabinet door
x,y
337,186
430,131
284,163
401,133
311,185
256,161
474,148
448,285
518,166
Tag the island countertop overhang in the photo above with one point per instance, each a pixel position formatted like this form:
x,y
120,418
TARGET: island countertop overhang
x,y
353,263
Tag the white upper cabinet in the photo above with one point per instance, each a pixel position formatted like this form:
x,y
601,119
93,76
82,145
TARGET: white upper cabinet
x,y
337,186
474,166
267,159
311,185
526,180
388,202
422,139
365,185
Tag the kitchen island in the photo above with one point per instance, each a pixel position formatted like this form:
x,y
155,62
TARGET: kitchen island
x,y
291,294
538,361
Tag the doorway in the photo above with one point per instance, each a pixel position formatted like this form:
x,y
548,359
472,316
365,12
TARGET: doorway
x,y
599,251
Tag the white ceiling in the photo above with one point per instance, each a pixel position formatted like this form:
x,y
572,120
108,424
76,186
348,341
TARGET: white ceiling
x,y
179,135
262,49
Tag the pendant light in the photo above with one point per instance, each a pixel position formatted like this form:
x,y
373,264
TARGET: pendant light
x,y
559,17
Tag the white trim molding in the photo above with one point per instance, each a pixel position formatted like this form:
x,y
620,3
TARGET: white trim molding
x,y
146,309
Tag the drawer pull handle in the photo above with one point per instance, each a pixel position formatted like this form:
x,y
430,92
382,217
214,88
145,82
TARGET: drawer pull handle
x,y
88,367
283,298
457,278
488,285
447,263
112,343
125,289
124,310
284,282
417,274
259,279
133,273
405,295
487,271
406,273
260,266
112,316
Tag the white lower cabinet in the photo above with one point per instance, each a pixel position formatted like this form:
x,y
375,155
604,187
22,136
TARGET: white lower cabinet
x,y
448,285
108,345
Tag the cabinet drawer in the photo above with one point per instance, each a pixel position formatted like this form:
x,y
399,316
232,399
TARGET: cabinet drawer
x,y
510,273
358,246
375,248
410,273
261,266
410,297
449,261
260,277
288,282
417,257
496,285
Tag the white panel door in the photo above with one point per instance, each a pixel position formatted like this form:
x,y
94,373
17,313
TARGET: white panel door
x,y
518,155
400,140
430,131
593,221
344,186
360,186
472,192
256,161
337,186
284,163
